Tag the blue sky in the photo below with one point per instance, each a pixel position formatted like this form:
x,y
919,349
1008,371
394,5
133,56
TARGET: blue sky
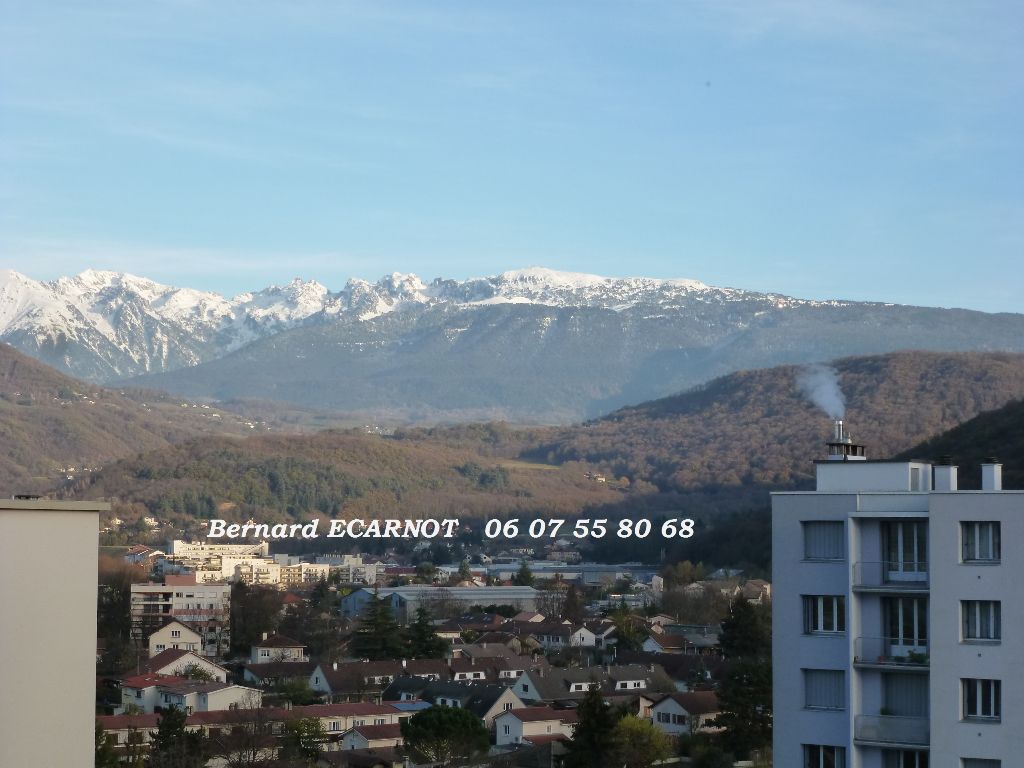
x,y
819,148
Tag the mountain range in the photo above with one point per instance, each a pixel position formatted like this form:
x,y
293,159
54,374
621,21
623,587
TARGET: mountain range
x,y
531,346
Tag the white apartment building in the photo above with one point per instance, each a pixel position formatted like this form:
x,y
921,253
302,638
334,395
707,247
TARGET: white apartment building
x,y
206,608
194,552
894,636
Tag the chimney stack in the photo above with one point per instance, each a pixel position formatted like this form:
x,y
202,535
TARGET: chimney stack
x,y
841,447
945,474
264,635
991,474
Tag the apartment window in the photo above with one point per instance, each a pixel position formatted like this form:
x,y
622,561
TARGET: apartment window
x,y
508,705
507,730
981,619
379,721
904,758
824,613
820,756
824,540
335,726
980,762
980,542
905,550
175,633
981,698
824,689
160,647
357,723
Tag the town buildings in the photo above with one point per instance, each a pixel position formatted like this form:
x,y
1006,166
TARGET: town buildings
x,y
206,608
895,640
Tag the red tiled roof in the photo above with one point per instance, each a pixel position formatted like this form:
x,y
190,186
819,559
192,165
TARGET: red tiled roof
x,y
121,722
150,679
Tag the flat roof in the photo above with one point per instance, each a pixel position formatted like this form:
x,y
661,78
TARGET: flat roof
x,y
54,506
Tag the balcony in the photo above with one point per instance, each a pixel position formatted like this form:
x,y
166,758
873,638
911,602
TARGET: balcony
x,y
902,652
889,576
891,730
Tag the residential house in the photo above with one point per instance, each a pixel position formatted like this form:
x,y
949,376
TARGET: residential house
x,y
679,714
175,635
365,681
277,648
373,737
181,663
205,608
567,686
148,693
534,725
484,701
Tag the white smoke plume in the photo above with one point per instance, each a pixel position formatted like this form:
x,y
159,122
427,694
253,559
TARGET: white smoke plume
x,y
820,383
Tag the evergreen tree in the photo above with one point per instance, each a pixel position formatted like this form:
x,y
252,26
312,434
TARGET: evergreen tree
x,y
746,633
174,747
106,757
464,574
377,636
572,608
524,577
591,742
421,639
745,701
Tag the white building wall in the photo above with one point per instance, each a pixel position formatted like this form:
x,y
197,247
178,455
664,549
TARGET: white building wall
x,y
887,496
952,659
48,635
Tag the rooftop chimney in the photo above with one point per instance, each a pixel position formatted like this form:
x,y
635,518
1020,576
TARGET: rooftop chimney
x,y
841,447
991,474
945,474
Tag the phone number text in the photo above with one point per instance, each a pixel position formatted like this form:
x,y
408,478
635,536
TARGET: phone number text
x,y
586,528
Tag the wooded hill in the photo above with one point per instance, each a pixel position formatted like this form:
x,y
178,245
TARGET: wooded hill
x,y
998,433
334,473
51,423
758,429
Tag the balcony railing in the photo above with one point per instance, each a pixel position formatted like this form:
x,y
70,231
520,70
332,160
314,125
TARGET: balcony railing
x,y
891,729
891,575
897,651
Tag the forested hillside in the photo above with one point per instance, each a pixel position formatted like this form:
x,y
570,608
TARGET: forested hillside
x,y
285,477
757,429
52,425
998,433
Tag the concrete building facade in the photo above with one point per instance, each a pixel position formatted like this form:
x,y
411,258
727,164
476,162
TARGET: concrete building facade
x,y
894,634
48,635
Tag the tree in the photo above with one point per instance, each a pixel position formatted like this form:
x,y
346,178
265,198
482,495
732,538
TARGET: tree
x,y
572,608
173,746
254,610
426,572
445,735
713,757
464,574
106,757
524,576
638,743
591,742
745,701
195,672
746,633
421,639
303,739
629,631
377,636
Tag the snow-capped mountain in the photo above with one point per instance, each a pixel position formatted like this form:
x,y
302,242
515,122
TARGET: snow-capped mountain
x,y
106,325
531,344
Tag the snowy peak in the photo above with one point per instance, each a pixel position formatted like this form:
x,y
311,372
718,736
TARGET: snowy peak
x,y
103,325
